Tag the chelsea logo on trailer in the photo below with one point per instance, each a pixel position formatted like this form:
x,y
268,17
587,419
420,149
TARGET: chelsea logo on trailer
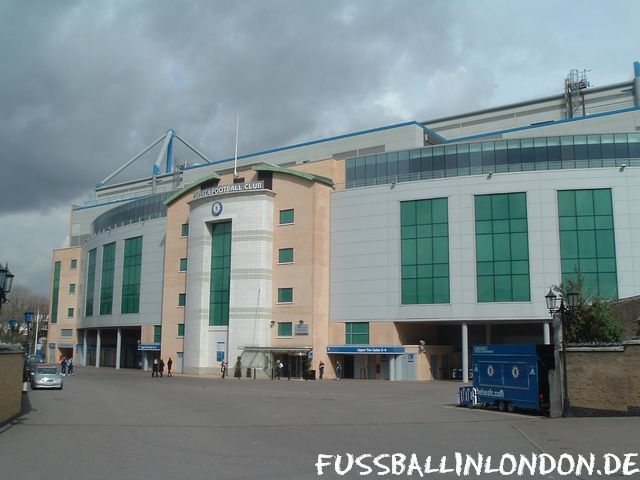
x,y
216,208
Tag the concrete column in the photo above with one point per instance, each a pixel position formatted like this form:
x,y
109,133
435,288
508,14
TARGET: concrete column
x,y
392,367
546,333
98,339
118,347
465,353
487,334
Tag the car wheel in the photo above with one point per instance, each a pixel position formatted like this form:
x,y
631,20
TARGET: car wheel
x,y
502,406
60,387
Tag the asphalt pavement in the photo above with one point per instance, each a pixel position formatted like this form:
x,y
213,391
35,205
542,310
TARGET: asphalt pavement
x,y
109,424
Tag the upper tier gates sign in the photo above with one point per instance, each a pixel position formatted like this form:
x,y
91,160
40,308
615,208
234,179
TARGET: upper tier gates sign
x,y
234,188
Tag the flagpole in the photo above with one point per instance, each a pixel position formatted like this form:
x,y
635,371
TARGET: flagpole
x,y
235,158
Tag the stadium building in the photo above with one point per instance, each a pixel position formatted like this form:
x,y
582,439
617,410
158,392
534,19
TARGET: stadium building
x,y
390,251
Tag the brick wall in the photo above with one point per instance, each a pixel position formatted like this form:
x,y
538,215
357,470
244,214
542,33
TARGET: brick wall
x,y
604,380
628,311
11,365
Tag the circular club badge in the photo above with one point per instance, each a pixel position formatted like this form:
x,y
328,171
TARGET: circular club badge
x,y
216,208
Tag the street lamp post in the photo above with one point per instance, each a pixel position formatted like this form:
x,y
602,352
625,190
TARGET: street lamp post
x,y
6,281
28,317
567,303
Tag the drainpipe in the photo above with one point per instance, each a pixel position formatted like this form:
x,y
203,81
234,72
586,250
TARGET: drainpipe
x,y
636,83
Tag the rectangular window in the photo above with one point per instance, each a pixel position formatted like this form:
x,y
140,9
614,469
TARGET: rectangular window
x,y
357,333
131,275
69,312
106,285
72,288
66,332
157,333
182,299
424,234
74,264
183,264
587,240
181,329
285,329
220,274
285,255
185,230
286,216
502,248
285,295
91,282
56,292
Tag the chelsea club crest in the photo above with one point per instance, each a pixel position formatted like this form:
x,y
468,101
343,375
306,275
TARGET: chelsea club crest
x,y
216,209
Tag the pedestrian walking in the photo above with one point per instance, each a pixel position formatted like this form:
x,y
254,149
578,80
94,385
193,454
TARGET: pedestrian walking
x,y
223,368
279,367
63,366
339,371
161,367
70,366
169,365
321,369
154,368
237,370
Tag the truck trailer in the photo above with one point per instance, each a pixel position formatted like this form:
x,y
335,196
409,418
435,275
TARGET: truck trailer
x,y
510,377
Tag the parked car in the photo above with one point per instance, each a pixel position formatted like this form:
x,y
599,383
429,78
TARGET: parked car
x,y
30,364
46,376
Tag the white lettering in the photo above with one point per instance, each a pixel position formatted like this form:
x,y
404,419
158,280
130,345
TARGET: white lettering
x,y
544,458
608,457
470,462
443,465
628,464
397,463
427,466
487,466
566,458
320,464
582,463
531,465
414,465
514,464
339,464
363,465
384,469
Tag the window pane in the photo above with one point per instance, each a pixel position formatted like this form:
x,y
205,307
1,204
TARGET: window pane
x,y
286,216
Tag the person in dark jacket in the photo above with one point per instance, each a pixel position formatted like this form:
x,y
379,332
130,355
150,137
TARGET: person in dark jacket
x,y
169,365
161,367
154,368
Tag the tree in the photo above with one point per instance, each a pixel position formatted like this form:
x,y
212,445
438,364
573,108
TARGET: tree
x,y
593,320
21,300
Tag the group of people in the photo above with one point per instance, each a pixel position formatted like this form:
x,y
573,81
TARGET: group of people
x,y
66,366
157,369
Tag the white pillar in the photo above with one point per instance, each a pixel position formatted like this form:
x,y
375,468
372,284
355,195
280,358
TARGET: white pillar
x,y
465,353
392,367
487,334
84,347
547,333
118,347
98,339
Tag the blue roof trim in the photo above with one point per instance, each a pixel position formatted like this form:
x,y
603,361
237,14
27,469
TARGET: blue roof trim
x,y
111,202
542,124
322,140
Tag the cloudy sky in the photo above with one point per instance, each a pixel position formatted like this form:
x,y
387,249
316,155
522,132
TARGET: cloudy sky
x,y
86,85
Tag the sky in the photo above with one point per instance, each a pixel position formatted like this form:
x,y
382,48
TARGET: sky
x,y
86,85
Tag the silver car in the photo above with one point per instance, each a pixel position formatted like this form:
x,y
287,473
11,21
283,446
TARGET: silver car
x,y
46,376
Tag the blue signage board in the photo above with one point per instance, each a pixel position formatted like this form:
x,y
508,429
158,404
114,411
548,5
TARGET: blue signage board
x,y
149,347
219,356
364,349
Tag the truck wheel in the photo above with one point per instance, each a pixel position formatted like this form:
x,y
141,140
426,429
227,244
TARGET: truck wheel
x,y
502,406
510,408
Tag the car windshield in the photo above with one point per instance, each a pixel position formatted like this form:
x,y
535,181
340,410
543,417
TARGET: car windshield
x,y
47,370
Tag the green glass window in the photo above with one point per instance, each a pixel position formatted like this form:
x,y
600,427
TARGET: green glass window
x,y
182,299
74,264
183,264
185,230
91,282
285,295
72,288
56,292
502,248
181,329
106,285
220,274
131,275
357,333
66,332
285,255
70,312
587,240
285,329
157,333
286,216
424,234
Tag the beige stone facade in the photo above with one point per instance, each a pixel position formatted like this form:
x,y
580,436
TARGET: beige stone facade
x,y
62,323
